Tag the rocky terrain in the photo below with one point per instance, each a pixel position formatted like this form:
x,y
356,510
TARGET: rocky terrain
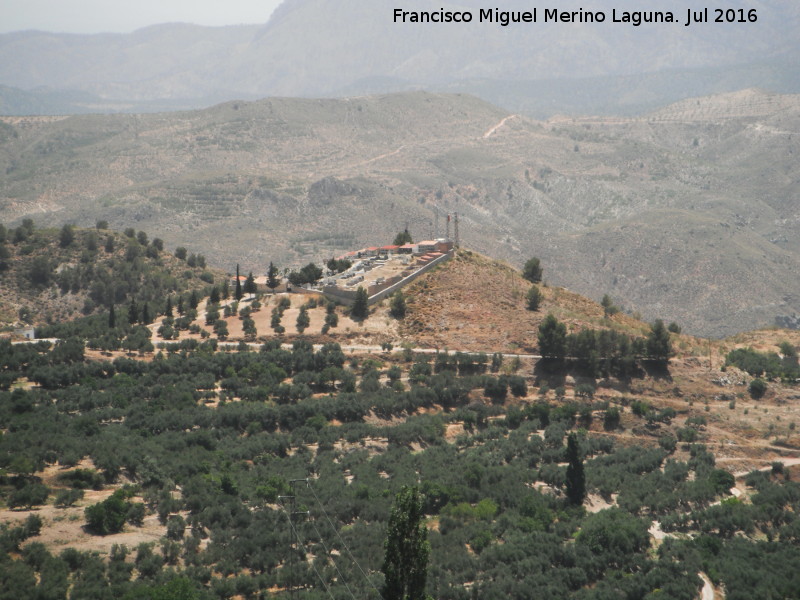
x,y
681,214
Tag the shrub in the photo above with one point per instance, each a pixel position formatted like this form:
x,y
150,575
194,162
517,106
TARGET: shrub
x,y
611,419
109,516
66,498
757,389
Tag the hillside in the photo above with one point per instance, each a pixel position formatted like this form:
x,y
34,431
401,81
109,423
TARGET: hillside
x,y
312,48
476,303
179,471
673,214
50,276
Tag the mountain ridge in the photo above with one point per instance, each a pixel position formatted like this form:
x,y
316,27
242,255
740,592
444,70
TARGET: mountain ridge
x,y
506,65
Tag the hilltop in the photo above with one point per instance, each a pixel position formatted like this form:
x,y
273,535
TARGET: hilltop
x,y
677,215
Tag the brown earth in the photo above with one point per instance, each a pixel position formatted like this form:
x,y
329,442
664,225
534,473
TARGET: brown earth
x,y
64,527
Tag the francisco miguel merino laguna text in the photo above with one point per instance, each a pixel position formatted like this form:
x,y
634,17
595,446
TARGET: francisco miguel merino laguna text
x,y
554,15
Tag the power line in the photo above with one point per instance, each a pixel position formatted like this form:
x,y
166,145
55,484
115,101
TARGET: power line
x,y
342,542
335,566
305,551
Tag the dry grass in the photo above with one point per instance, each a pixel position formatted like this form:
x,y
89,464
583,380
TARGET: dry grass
x,y
64,527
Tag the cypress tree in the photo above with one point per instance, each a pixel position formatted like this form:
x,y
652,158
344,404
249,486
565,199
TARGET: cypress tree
x,y
133,312
576,478
405,566
238,293
112,318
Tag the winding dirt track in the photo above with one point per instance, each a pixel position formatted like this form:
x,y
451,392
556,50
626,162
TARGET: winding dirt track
x,y
490,132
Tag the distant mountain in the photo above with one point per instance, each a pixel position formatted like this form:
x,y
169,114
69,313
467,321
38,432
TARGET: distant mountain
x,y
688,213
318,48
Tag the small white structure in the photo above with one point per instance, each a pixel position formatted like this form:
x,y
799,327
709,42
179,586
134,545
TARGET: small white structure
x,y
29,333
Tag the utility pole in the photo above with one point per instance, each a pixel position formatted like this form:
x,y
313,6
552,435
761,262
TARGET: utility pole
x,y
295,545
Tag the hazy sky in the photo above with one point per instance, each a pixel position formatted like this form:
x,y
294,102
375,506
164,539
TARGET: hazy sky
x,y
95,16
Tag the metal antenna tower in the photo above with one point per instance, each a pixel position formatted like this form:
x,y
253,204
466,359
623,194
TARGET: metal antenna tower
x,y
457,241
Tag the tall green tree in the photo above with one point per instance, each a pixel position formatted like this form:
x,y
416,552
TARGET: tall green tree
x,y
133,313
534,298
532,271
360,308
405,564
398,305
238,293
146,319
250,284
404,237
552,338
576,478
659,345
272,277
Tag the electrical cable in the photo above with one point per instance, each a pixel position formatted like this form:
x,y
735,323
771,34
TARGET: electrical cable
x,y
335,566
305,550
341,541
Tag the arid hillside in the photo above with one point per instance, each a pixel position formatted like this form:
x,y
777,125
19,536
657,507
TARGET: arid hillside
x,y
682,214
